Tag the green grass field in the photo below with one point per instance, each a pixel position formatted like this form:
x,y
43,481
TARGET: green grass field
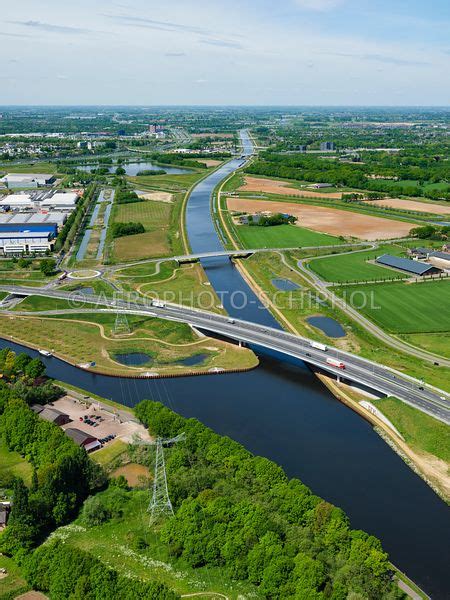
x,y
13,584
282,236
421,432
354,267
12,464
404,308
155,217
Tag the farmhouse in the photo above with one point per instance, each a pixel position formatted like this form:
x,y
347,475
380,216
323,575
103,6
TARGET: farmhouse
x,y
405,264
83,439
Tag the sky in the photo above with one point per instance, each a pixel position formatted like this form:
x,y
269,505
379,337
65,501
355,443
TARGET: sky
x,y
239,52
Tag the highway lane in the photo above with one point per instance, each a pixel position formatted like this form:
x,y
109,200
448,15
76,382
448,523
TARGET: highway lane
x,y
379,377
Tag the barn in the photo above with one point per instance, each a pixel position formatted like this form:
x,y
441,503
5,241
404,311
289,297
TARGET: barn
x,y
83,439
414,267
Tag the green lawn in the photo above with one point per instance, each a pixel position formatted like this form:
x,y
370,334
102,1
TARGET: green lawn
x,y
282,236
404,308
355,267
12,464
13,584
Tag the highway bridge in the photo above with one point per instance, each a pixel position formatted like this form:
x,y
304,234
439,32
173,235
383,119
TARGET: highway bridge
x,y
241,253
378,377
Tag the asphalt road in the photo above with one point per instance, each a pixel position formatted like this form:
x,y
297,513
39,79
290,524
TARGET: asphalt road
x,y
379,377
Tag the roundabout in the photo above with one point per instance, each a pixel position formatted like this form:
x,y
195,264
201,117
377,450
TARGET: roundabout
x,y
84,274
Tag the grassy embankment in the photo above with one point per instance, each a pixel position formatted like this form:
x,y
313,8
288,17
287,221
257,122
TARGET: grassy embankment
x,y
421,432
180,284
83,337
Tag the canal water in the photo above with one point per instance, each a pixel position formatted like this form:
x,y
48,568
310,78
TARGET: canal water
x,y
281,411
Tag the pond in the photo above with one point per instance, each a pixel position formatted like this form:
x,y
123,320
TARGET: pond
x,y
133,168
85,290
190,361
286,285
329,326
133,359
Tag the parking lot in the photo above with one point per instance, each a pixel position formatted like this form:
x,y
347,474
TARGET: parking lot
x,y
99,421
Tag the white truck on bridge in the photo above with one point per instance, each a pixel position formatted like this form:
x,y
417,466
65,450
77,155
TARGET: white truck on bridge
x,y
334,362
319,346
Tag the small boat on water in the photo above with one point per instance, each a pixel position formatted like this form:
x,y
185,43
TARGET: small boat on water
x,y
86,365
45,353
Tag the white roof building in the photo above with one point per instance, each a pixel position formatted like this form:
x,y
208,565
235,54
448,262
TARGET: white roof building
x,y
18,180
17,201
61,200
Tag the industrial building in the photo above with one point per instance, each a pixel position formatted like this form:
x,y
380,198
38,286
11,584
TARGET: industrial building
x,y
40,200
30,222
60,201
38,218
17,243
27,180
414,267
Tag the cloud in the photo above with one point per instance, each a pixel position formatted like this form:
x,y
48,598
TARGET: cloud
x,y
50,28
318,5
175,54
200,81
19,35
133,21
391,60
222,43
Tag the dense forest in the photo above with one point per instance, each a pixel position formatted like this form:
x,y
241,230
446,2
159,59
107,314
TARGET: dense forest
x,y
240,512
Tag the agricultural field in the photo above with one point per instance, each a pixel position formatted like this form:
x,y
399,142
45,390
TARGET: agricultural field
x,y
282,236
414,205
345,268
405,308
327,219
155,217
286,188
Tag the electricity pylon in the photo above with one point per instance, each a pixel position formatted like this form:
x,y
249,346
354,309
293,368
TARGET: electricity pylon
x,y
121,325
160,503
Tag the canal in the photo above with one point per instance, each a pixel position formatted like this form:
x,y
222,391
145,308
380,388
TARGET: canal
x,y
282,411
